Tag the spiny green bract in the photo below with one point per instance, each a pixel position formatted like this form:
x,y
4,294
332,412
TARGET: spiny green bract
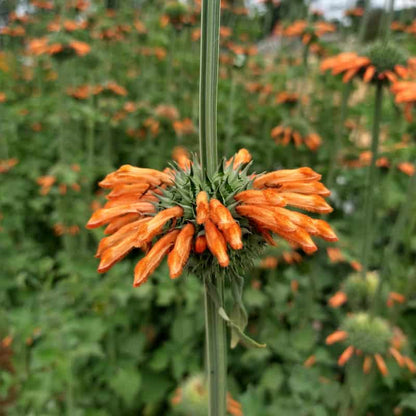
x,y
224,184
360,290
369,334
386,55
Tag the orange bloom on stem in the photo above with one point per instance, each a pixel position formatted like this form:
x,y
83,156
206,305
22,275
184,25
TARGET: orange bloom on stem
x,y
200,244
346,355
242,157
179,255
367,364
144,205
336,336
381,364
216,243
146,266
351,64
337,299
202,207
181,157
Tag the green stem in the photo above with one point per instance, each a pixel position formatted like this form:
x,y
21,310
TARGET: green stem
x,y
216,350
339,133
208,84
364,20
403,217
369,197
214,324
389,19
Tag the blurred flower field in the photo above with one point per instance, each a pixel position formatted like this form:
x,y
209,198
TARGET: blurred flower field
x,y
86,87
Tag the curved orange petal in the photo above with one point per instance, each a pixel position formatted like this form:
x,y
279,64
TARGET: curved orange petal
x,y
381,364
216,243
367,364
202,207
282,176
104,215
180,254
200,244
148,264
336,336
346,355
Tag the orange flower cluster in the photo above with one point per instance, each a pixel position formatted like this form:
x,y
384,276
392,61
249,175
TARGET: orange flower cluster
x,y
290,97
158,51
41,46
14,31
393,351
405,93
68,25
184,127
289,257
401,27
42,4
351,64
300,188
134,218
354,12
364,159
307,31
283,135
7,164
82,92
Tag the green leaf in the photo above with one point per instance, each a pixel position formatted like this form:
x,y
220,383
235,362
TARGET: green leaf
x,y
409,401
245,339
126,384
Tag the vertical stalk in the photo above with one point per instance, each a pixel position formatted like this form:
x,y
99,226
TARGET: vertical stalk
x,y
364,20
389,19
208,85
370,184
339,133
216,350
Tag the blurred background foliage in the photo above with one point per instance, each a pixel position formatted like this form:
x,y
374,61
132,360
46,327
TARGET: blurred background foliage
x,y
77,343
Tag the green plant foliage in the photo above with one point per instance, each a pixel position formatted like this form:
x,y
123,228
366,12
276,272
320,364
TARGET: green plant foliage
x,y
73,342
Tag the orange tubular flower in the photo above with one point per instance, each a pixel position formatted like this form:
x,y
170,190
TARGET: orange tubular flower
x,y
146,266
193,219
242,157
346,355
283,134
265,207
370,337
181,157
337,300
405,93
202,207
200,244
223,219
336,336
179,255
383,62
309,32
216,243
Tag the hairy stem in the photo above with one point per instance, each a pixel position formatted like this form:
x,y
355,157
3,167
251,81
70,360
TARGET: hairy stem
x,y
339,133
208,85
371,181
216,350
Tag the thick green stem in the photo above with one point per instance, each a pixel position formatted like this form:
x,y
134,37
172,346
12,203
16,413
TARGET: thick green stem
x,y
364,21
371,182
208,84
214,324
216,350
